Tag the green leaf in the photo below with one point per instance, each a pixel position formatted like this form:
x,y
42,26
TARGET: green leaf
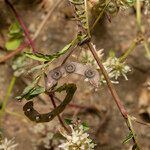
x,y
35,91
68,121
128,138
15,37
13,44
31,91
112,54
38,56
14,28
36,68
85,126
48,58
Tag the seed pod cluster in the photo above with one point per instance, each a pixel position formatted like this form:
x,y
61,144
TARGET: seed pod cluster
x,y
71,68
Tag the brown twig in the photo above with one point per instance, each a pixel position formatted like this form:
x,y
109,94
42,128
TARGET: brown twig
x,y
110,85
24,45
112,89
59,118
14,53
75,105
41,26
22,24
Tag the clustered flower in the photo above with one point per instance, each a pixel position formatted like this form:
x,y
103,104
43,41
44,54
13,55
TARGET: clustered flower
x,y
6,144
78,139
114,67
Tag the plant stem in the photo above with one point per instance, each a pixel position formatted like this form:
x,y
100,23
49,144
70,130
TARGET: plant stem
x,y
10,55
99,17
129,123
59,118
146,48
110,85
133,45
26,32
10,88
138,13
87,19
112,89
139,24
24,45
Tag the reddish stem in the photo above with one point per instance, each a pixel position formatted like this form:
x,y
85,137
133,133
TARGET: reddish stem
x,y
26,32
110,85
10,55
59,118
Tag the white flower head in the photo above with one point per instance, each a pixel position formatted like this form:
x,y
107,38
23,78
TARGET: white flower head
x,y
115,68
8,144
87,57
78,139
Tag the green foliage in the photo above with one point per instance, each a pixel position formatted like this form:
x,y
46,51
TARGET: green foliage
x,y
20,65
15,37
31,91
81,12
68,121
128,138
37,68
85,126
48,58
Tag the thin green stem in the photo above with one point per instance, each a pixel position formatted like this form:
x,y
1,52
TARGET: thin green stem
x,y
145,44
138,13
128,51
10,88
132,46
87,18
139,20
133,132
99,16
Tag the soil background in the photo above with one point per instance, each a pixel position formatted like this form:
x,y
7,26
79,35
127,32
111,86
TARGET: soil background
x,y
108,130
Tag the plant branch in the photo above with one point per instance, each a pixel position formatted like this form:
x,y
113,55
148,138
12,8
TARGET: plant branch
x,y
10,88
59,118
138,13
25,44
110,85
14,53
113,93
26,32
99,17
132,46
130,126
139,24
41,26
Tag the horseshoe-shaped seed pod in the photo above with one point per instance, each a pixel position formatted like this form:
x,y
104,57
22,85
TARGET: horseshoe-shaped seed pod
x,y
34,115
72,68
